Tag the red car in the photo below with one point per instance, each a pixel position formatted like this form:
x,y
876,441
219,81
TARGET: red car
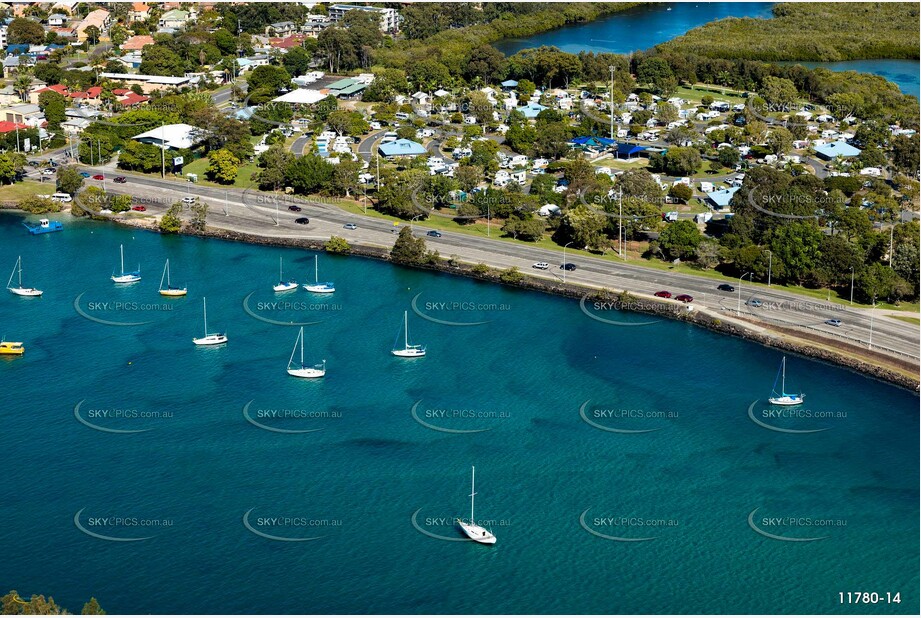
x,y
99,177
685,298
663,294
139,208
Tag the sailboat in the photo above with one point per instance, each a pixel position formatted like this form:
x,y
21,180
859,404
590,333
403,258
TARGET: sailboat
x,y
327,287
19,290
169,290
407,351
130,277
284,286
471,529
783,398
317,371
209,338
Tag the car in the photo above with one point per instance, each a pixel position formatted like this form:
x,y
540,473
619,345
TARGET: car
x,y
47,171
139,208
434,233
294,208
85,174
302,220
541,265
568,266
350,226
188,200
753,302
685,298
833,322
99,177
120,180
663,294
34,163
725,287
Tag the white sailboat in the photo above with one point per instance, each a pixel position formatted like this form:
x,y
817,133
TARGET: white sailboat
x,y
317,371
471,529
209,338
407,351
19,290
327,287
129,277
283,286
783,398
170,290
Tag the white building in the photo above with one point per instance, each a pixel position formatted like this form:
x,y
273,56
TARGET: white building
x,y
389,17
173,136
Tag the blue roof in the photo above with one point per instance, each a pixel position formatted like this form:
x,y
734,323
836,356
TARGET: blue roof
x,y
401,147
531,110
587,140
629,149
21,47
837,149
722,197
509,83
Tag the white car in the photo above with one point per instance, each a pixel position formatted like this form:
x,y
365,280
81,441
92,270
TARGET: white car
x,y
188,200
376,126
541,266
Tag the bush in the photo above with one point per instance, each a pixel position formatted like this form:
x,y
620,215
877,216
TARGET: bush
x,y
38,205
511,275
337,244
682,192
481,269
170,223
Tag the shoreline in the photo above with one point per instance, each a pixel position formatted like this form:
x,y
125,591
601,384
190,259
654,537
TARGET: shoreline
x,y
898,373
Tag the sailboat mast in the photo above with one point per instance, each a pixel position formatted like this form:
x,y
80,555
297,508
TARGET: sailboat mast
x,y
13,274
280,278
121,250
472,491
316,269
406,329
19,263
167,274
204,304
301,337
783,376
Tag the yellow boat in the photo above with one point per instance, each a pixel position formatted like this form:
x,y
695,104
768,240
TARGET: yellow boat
x,y
11,348
169,290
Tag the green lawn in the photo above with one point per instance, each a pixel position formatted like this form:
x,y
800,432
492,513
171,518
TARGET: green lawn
x,y
719,93
907,318
26,188
244,175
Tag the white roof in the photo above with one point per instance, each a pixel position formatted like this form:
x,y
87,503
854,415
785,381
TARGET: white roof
x,y
304,96
172,135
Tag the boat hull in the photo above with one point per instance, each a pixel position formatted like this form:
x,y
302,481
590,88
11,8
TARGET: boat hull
x,y
12,348
210,340
787,400
477,533
123,279
173,293
307,372
320,289
408,353
284,287
29,292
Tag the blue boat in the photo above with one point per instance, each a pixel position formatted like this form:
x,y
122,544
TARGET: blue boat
x,y
44,227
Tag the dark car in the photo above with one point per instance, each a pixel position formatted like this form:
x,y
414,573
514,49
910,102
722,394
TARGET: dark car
x,y
294,208
433,233
302,220
139,208
99,177
568,266
120,180
685,298
725,287
663,294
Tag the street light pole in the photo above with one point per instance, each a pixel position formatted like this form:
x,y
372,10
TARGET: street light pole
x,y
564,259
739,306
891,230
770,265
488,220
611,103
870,343
852,285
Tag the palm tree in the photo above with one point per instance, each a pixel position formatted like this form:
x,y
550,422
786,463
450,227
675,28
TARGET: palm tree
x,y
23,83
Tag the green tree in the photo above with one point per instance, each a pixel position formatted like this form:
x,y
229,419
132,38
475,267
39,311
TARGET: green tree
x,y
170,223
682,192
779,93
583,226
92,608
25,31
408,249
273,163
308,174
53,104
223,166
679,240
296,61
69,179
161,60
337,244
11,167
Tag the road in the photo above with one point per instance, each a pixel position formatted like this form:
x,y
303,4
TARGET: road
x,y
254,213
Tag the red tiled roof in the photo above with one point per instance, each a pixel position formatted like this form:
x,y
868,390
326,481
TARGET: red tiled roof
x,y
6,126
94,92
120,91
137,42
133,99
78,95
59,88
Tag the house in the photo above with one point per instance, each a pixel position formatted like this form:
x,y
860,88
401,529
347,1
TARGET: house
x,y
176,18
281,28
401,148
531,110
301,96
148,83
9,96
549,210
583,142
389,19
836,149
629,151
347,88
171,136
137,42
131,60
9,127
720,106
509,84
100,19
132,99
420,98
24,114
719,200
58,20
139,12
315,24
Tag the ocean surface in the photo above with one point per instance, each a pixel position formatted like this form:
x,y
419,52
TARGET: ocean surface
x,y
649,25
228,486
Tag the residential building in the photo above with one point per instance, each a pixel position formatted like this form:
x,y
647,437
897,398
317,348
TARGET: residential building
x,y
100,18
401,148
137,42
24,114
171,136
176,18
4,40
57,20
281,28
315,24
148,83
836,149
389,17
139,12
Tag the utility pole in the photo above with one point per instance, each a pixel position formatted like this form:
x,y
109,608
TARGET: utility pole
x,y
872,311
162,152
852,285
891,231
611,102
770,264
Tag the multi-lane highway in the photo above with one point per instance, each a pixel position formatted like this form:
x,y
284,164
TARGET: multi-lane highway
x,y
256,213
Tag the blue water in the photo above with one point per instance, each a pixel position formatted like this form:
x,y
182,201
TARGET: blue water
x,y
647,26
357,482
637,28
